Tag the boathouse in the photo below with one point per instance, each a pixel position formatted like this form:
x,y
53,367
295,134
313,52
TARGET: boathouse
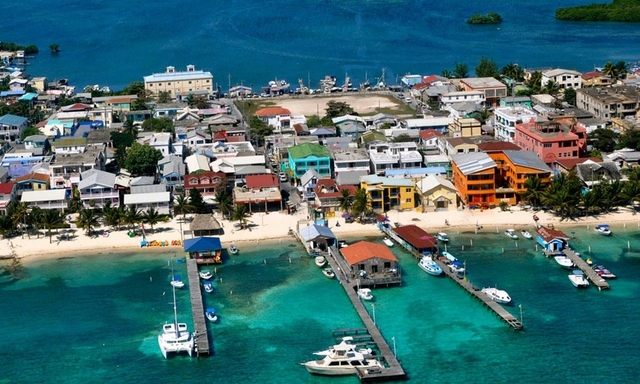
x,y
551,239
415,239
318,237
205,250
371,263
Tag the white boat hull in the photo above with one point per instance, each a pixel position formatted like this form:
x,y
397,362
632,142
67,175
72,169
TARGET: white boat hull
x,y
388,242
497,295
430,267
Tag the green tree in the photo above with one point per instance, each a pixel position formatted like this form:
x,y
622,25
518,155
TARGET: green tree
x,y
487,68
196,200
51,219
534,191
240,215
142,160
460,71
570,96
513,71
111,216
630,138
88,219
151,216
6,225
361,203
75,204
603,139
258,130
164,97
338,108
535,81
158,125
35,218
182,206
134,88
130,132
225,201
55,48
30,131
447,74
346,200
132,216
402,138
198,101
19,212
314,121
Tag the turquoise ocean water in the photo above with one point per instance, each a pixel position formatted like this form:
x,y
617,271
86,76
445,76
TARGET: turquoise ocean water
x,y
96,318
251,42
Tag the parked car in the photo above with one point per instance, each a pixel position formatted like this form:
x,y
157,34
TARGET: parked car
x,y
282,176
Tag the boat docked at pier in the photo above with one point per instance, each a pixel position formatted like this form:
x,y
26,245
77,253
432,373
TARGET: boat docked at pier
x,y
211,315
208,287
342,359
175,337
328,272
388,242
205,275
511,233
603,229
603,272
578,279
563,261
441,236
497,295
526,234
320,261
347,340
365,294
427,264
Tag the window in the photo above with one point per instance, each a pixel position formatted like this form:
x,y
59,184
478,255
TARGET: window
x,y
168,83
548,145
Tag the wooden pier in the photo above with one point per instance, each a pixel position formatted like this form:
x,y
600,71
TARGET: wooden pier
x,y
393,369
505,315
592,275
199,321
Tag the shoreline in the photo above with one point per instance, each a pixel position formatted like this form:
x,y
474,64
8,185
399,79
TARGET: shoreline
x,y
273,228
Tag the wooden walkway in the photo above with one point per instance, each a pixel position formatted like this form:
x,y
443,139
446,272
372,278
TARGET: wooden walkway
x,y
592,275
197,309
505,315
393,369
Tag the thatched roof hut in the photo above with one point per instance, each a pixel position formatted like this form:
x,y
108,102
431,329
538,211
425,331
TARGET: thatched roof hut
x,y
205,225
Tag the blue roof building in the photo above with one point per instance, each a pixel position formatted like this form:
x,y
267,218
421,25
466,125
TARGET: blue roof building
x,y
206,250
11,126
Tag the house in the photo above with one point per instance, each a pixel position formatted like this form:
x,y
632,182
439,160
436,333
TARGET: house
x,y
593,173
437,193
301,129
350,125
387,193
160,201
38,144
65,169
463,109
371,263
49,199
401,155
466,127
96,188
474,178
161,141
416,239
552,140
31,182
625,158
11,127
475,96
197,163
205,250
327,198
307,156
456,145
506,119
259,192
8,193
238,168
207,182
492,88
429,141
350,179
318,237
57,128
21,163
308,183
595,79
551,240
277,117
172,171
323,133
379,120
516,101
119,104
179,82
565,78
70,146
356,159
440,124
610,102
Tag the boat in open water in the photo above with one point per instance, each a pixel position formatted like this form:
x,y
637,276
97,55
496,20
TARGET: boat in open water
x,y
603,229
511,233
526,234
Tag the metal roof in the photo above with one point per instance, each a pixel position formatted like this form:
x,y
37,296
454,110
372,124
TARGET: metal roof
x,y
469,163
526,159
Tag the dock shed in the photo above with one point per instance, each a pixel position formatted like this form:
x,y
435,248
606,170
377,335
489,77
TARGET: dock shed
x,y
372,264
417,238
205,250
318,237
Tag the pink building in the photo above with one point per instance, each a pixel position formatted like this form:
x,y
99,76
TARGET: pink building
x,y
552,140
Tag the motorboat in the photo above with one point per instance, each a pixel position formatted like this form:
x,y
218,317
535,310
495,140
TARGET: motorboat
x,y
342,244
388,242
211,315
349,341
177,282
456,267
320,261
208,287
365,294
441,236
205,275
578,279
564,261
233,249
449,256
603,272
511,233
603,229
497,295
343,359
427,264
175,337
526,234
328,272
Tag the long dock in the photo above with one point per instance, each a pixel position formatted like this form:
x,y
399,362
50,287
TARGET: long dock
x,y
592,275
199,321
505,315
393,369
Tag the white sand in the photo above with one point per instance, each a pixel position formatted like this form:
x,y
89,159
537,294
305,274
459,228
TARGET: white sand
x,y
274,226
363,104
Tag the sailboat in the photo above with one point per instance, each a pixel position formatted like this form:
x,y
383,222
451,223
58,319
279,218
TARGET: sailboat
x,y
175,337
176,281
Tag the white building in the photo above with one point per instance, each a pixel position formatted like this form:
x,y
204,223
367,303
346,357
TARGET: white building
x,y
350,160
462,96
394,156
566,78
49,199
505,120
180,82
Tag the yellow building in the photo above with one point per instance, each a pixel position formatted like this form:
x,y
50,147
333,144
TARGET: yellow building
x,y
180,83
387,193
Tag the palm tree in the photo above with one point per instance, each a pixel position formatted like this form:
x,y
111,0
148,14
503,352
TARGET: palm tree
x,y
182,206
111,216
345,200
35,218
461,71
610,70
6,225
129,128
88,220
535,81
225,202
551,87
513,71
631,192
240,214
151,216
534,191
131,216
361,203
51,219
20,216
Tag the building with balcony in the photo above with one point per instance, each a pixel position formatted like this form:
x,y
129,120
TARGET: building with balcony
x,y
260,193
97,188
8,193
475,96
402,155
276,117
179,82
565,78
307,156
387,193
506,119
356,159
34,181
492,88
57,199
513,168
11,127
474,178
552,140
610,102
207,182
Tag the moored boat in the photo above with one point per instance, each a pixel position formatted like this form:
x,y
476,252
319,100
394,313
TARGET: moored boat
x,y
328,272
603,229
526,234
449,256
511,233
175,337
205,275
563,261
497,295
320,261
211,315
348,340
365,294
603,272
427,264
177,282
208,287
342,359
578,279
442,237
233,249
388,242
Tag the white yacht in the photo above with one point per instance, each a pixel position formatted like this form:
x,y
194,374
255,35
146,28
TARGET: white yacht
x,y
342,359
497,295
345,340
365,294
175,337
428,265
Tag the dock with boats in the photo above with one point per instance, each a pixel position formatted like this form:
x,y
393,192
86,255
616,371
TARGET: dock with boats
x,y
579,263
197,309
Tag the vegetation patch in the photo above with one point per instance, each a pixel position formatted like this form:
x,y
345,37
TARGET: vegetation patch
x,y
490,18
619,10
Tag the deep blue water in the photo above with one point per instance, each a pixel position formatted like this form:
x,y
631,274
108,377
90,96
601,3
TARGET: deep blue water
x,y
96,318
251,42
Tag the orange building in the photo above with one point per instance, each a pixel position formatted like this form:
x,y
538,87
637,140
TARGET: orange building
x,y
474,178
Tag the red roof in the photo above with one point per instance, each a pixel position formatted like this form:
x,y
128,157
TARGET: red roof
x,y
549,234
44,177
416,236
273,111
497,146
571,163
219,136
591,75
420,86
365,250
77,107
6,188
429,79
236,138
262,181
429,133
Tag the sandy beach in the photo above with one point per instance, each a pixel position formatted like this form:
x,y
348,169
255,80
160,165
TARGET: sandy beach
x,y
275,225
364,104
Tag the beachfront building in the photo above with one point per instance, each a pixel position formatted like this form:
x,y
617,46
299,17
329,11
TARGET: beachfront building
x,y
205,250
372,264
513,168
307,156
594,172
492,88
565,78
11,127
205,224
317,237
437,193
415,239
326,202
474,178
276,117
551,240
238,168
506,119
180,82
8,193
50,199
465,127
96,188
158,200
34,181
308,183
401,155
607,103
387,193
261,193
552,140
207,182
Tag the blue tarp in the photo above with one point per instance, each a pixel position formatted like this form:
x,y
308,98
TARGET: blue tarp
x,y
199,244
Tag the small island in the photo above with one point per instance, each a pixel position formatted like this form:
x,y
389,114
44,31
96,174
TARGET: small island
x,y
619,10
490,18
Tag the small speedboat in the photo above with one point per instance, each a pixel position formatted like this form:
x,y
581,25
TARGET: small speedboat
x,y
456,267
563,261
328,272
449,256
578,279
233,249
442,237
497,295
526,234
342,244
365,294
206,275
176,282
427,264
211,315
208,287
511,233
388,242
603,272
320,261
603,229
